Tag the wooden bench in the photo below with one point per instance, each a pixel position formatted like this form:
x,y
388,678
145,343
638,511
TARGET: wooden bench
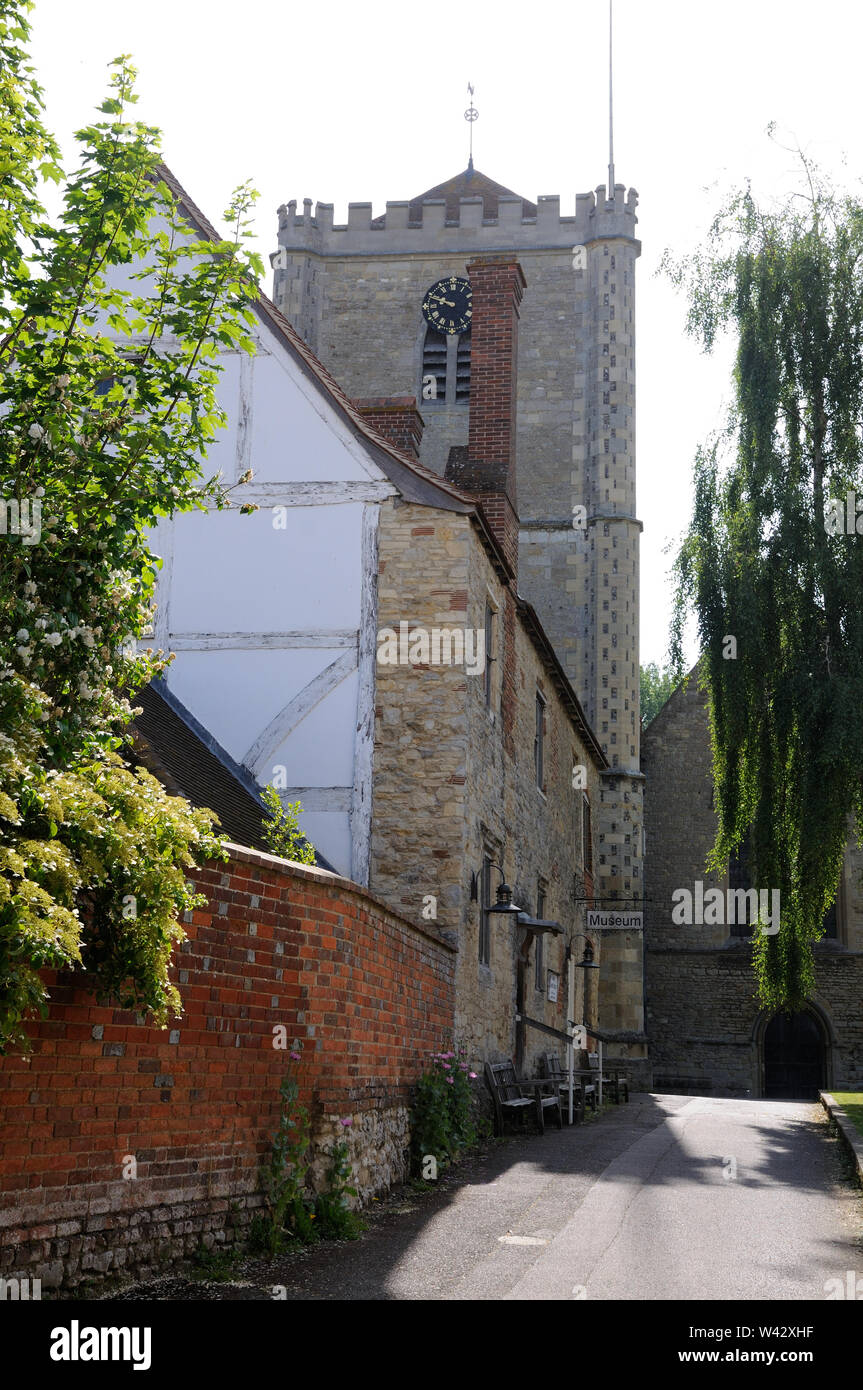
x,y
583,1090
512,1096
615,1080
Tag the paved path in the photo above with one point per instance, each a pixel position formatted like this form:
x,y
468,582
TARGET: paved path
x,y
636,1206
669,1197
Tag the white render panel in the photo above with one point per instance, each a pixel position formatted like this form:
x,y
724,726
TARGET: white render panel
x,y
235,695
330,833
308,450
320,750
238,573
222,452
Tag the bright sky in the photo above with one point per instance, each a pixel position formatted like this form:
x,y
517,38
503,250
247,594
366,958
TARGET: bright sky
x,y
364,102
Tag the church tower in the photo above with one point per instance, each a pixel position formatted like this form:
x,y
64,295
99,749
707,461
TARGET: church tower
x,y
356,293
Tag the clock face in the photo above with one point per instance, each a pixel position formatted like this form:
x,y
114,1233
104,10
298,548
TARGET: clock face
x,y
447,306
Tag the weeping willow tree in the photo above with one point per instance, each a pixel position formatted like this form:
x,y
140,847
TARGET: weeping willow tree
x,y
772,563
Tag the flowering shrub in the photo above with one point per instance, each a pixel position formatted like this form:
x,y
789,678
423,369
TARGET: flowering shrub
x,y
335,1218
284,1180
292,1210
107,407
442,1123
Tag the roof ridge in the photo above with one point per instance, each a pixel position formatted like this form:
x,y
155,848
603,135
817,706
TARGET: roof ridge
x,y
476,184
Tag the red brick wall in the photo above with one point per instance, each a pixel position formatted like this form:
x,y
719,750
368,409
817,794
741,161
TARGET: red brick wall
x,y
370,994
497,284
397,419
487,467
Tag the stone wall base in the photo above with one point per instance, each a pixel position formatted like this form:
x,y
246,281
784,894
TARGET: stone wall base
x,y
137,1233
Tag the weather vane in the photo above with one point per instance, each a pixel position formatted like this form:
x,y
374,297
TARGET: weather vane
x,y
470,116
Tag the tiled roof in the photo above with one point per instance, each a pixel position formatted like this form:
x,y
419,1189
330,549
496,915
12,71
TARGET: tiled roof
x,y
170,742
471,183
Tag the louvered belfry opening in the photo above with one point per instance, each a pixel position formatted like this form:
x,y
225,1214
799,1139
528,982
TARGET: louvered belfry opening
x,y
434,361
462,375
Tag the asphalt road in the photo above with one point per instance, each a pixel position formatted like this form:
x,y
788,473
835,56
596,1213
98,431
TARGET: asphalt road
x,y
670,1197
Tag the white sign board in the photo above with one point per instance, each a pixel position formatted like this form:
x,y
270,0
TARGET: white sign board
x,y
614,921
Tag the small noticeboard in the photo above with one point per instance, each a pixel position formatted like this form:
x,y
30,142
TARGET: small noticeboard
x,y
614,921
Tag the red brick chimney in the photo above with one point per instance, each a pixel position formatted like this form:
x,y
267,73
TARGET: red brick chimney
x,y
488,467
396,418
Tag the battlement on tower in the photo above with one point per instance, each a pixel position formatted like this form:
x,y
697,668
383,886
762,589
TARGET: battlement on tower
x,y
408,227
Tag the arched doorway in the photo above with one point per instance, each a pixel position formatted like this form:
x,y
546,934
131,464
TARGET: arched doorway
x,y
794,1057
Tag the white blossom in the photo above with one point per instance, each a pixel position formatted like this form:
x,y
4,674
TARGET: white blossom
x,y
36,431
22,636
53,639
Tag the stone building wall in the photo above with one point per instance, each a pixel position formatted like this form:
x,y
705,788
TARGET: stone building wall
x,y
703,1018
454,779
368,995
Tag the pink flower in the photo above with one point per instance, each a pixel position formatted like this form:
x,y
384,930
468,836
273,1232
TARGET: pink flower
x,y
346,1122
449,1080
296,1057
472,1075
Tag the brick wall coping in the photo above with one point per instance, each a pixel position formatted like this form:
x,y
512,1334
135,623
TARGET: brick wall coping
x,y
241,855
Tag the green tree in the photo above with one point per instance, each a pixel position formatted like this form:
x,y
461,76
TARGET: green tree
x,y
107,406
657,684
776,588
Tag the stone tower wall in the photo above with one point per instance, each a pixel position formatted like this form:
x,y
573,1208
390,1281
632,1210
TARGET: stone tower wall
x,y
355,292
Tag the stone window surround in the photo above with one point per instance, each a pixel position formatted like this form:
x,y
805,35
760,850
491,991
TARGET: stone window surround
x,y
541,706
841,905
